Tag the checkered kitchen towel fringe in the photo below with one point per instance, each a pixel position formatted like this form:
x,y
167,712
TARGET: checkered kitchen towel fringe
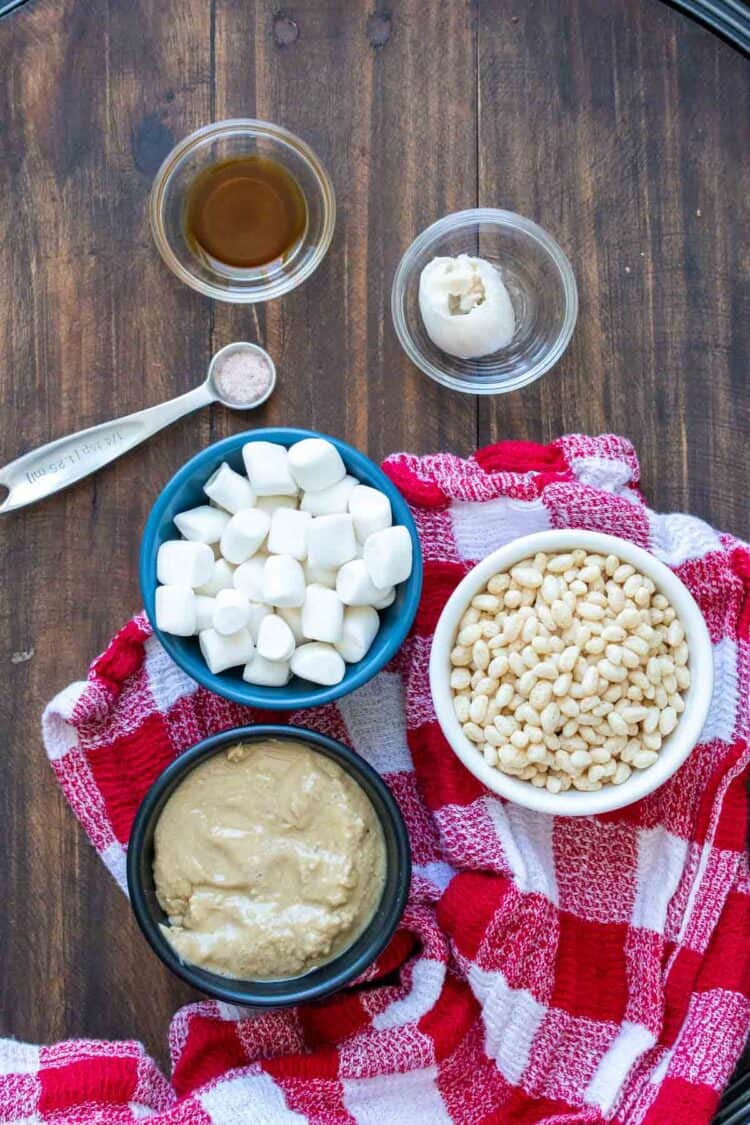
x,y
546,969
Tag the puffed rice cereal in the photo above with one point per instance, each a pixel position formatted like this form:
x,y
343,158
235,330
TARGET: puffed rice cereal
x,y
569,670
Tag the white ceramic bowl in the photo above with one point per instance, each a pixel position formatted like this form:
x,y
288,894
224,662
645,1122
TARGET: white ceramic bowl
x,y
676,746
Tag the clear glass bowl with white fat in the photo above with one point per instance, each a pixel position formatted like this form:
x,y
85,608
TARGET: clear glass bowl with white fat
x,y
539,280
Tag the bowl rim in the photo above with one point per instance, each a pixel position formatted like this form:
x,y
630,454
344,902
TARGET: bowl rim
x,y
241,126
680,743
252,695
231,989
506,219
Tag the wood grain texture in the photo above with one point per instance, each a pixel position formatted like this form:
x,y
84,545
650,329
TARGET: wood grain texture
x,y
612,123
91,98
352,83
625,131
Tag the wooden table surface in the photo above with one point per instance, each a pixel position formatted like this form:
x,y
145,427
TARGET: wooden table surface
x,y
619,125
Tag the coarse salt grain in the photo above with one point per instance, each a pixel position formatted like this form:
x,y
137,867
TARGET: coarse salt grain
x,y
242,377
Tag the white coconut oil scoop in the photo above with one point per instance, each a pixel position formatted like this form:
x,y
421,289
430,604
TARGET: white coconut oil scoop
x,y
240,375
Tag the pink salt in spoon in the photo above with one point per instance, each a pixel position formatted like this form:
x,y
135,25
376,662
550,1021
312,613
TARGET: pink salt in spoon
x,y
240,375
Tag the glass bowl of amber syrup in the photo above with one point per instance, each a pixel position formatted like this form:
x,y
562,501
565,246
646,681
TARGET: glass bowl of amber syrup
x,y
243,211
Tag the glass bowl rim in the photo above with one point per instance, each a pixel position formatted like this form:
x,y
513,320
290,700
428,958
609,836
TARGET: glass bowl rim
x,y
248,127
459,220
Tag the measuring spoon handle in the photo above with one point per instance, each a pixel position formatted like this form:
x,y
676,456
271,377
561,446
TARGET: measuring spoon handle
x,y
60,463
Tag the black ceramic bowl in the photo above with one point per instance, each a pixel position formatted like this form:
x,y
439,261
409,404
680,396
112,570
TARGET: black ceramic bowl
x,y
326,978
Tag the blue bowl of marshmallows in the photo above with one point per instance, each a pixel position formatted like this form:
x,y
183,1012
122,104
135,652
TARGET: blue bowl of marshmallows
x,y
281,568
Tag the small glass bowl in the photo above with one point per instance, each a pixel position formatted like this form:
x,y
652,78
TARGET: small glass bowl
x,y
225,140
539,279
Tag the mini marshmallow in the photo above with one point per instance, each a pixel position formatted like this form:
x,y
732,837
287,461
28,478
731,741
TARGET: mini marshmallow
x,y
229,490
203,524
293,617
319,663
179,563
222,578
204,612
316,464
322,614
221,652
388,598
267,466
271,503
321,575
370,510
283,581
266,673
388,554
257,612
354,585
331,500
361,624
330,541
248,577
231,612
244,534
175,610
275,638
288,534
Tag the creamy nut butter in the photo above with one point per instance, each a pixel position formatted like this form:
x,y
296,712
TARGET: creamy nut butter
x,y
269,860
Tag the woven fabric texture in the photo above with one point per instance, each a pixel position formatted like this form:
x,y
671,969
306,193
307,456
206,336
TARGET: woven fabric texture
x,y
546,969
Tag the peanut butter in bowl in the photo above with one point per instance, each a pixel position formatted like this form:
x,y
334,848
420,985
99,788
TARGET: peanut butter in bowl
x,y
269,860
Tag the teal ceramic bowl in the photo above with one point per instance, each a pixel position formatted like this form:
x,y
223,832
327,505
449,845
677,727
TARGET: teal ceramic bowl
x,y
185,490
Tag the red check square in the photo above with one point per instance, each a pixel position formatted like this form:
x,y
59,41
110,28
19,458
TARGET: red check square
x,y
591,969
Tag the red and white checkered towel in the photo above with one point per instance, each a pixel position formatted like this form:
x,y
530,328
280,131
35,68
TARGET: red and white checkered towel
x,y
547,969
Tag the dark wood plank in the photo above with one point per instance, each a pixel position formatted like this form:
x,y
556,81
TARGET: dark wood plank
x,y
624,129
351,83
92,326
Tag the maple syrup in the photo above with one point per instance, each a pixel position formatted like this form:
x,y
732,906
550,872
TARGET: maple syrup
x,y
245,212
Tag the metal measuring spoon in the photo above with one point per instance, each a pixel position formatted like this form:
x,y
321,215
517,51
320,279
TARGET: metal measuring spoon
x,y
60,463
